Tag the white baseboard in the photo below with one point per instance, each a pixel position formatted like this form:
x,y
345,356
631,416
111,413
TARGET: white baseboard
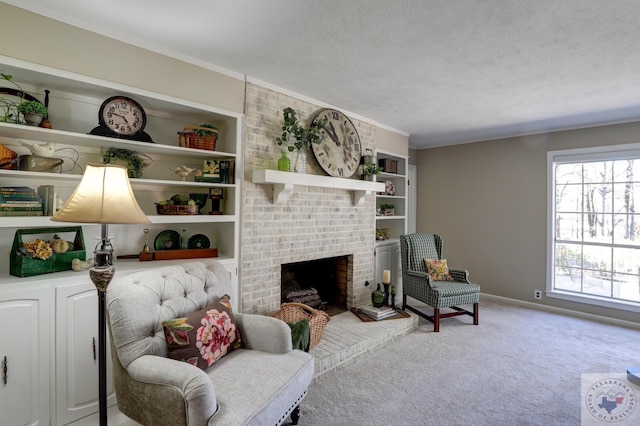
x,y
593,317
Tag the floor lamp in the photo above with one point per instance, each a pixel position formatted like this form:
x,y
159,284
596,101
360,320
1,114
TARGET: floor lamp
x,y
103,196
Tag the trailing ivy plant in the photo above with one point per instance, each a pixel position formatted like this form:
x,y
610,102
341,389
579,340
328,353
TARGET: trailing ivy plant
x,y
135,161
295,136
8,107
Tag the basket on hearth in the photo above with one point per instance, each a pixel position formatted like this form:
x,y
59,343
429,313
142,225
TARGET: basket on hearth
x,y
294,312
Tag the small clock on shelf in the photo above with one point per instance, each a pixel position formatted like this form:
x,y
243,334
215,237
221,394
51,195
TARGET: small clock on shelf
x,y
123,118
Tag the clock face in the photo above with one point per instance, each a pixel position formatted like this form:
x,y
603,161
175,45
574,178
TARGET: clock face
x,y
122,116
339,153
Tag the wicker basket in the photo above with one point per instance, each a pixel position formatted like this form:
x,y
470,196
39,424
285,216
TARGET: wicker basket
x,y
176,209
294,312
190,139
7,158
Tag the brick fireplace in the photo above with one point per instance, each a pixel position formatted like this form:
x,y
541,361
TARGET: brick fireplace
x,y
321,283
314,223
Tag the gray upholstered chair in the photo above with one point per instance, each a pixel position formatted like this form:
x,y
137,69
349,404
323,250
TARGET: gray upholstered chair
x,y
260,384
417,283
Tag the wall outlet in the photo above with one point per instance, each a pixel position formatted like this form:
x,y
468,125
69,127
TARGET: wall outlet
x,y
537,294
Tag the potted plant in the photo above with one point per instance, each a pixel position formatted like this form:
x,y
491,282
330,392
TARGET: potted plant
x,y
387,210
370,171
297,137
33,112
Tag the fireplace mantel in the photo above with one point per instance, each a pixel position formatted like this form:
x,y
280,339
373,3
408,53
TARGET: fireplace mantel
x,y
283,183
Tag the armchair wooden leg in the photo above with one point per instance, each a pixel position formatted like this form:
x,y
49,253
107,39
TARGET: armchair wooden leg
x,y
476,306
436,320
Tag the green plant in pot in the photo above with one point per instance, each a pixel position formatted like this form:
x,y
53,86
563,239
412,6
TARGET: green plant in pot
x,y
387,209
297,137
370,171
33,112
132,160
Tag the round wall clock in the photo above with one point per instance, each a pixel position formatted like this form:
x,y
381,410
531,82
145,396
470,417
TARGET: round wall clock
x,y
339,153
122,117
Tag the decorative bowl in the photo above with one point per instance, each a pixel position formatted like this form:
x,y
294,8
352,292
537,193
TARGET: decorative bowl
x,y
200,199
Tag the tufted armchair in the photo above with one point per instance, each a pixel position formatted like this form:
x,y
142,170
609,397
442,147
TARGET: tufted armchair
x,y
417,283
261,383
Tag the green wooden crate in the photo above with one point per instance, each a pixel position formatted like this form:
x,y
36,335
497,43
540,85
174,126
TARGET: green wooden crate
x,y
23,266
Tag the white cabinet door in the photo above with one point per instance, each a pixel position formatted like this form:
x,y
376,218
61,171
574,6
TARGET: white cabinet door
x,y
77,353
24,361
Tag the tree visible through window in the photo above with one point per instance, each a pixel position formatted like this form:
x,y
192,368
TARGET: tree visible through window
x,y
596,225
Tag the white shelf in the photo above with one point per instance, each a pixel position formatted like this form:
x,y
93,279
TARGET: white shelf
x,y
283,183
135,183
77,277
37,134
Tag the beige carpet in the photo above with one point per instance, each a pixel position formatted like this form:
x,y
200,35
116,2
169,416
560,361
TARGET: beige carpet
x,y
520,366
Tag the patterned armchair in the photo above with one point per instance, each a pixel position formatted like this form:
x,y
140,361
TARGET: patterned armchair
x,y
418,284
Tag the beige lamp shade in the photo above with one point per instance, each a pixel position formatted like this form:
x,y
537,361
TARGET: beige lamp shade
x,y
104,195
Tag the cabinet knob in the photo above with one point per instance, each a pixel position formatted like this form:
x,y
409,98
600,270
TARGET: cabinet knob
x,y
5,369
93,344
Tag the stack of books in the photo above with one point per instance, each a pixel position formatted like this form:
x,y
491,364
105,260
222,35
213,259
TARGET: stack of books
x,y
378,313
20,201
216,171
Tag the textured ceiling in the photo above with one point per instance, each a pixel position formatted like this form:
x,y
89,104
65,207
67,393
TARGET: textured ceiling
x,y
444,71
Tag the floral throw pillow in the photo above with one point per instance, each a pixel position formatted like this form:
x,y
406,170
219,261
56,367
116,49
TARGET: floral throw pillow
x,y
438,269
204,336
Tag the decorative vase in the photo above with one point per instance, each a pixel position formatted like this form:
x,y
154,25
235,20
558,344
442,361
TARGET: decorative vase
x,y
33,119
300,165
377,297
284,164
371,178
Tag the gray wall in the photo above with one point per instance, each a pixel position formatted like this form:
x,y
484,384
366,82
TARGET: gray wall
x,y
488,202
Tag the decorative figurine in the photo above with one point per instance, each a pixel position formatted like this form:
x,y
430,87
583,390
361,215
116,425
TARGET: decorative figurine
x,y
183,171
45,150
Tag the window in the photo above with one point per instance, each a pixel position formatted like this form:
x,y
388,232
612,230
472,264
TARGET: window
x,y
594,226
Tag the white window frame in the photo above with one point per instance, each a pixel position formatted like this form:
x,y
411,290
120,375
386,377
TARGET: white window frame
x,y
603,153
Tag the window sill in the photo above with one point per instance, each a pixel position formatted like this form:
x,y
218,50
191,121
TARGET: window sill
x,y
595,300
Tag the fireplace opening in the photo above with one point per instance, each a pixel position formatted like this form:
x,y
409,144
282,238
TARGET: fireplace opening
x,y
321,283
